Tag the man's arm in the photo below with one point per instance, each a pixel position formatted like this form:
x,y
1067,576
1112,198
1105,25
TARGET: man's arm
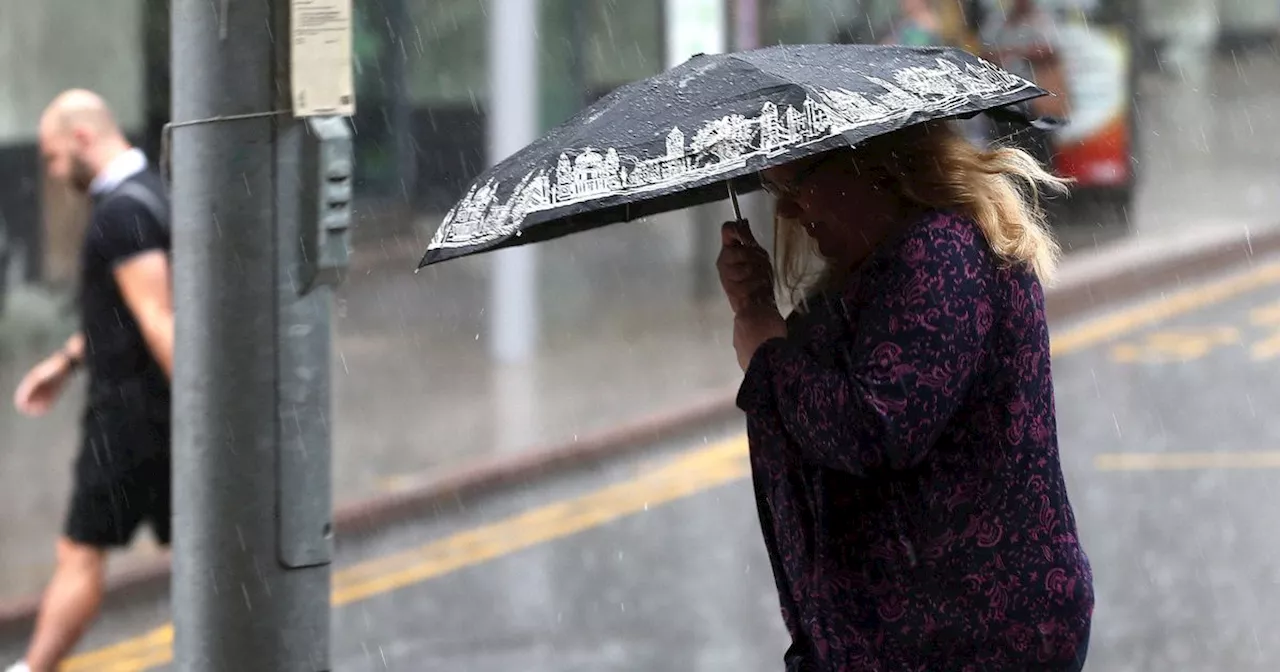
x,y
144,283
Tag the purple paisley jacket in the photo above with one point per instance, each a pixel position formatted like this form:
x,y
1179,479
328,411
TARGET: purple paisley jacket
x,y
905,461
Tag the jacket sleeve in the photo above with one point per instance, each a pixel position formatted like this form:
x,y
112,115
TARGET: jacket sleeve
x,y
914,348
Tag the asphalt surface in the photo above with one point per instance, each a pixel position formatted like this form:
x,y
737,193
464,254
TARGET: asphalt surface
x,y
1168,437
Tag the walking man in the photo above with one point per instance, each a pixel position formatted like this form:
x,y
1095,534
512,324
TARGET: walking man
x,y
125,343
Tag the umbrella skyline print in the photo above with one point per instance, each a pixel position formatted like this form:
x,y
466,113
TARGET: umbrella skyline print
x,y
599,175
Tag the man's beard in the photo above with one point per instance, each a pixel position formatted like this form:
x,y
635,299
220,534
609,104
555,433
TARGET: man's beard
x,y
81,176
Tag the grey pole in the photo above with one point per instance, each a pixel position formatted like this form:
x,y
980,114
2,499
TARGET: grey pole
x,y
251,575
512,124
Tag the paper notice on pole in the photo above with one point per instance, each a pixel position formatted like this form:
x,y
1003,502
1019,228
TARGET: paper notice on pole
x,y
320,58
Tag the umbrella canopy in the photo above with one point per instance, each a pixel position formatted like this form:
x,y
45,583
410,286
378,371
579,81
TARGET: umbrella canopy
x,y
695,132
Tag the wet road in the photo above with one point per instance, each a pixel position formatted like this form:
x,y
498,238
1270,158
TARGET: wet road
x,y
1169,438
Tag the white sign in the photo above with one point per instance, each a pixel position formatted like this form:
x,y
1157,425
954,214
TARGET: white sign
x,y
320,58
694,27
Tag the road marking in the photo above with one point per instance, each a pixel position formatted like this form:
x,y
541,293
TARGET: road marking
x,y
1266,349
146,661
683,476
114,657
1262,459
1266,316
687,475
1129,320
1183,345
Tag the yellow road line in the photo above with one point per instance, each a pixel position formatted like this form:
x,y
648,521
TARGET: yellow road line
x,y
1266,316
1129,320
147,661
1266,349
690,473
160,638
687,475
1262,459
1182,345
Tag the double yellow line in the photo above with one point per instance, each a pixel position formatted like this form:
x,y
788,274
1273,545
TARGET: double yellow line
x,y
681,477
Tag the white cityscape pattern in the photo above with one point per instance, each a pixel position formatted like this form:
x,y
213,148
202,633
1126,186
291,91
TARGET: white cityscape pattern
x,y
719,146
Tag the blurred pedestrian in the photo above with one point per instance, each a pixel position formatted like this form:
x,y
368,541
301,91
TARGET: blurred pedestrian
x,y
125,343
901,420
906,22
917,25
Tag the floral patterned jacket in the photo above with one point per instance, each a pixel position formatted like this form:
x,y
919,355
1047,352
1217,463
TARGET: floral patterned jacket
x,y
905,461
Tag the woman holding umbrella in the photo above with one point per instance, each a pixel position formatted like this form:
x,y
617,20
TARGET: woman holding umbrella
x,y
901,420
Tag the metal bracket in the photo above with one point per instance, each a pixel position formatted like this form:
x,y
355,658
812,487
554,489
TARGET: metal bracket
x,y
327,175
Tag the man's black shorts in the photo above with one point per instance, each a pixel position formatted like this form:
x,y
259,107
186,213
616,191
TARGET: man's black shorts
x,y
122,477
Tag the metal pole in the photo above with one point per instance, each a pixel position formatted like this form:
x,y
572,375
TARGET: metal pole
x,y
251,445
513,123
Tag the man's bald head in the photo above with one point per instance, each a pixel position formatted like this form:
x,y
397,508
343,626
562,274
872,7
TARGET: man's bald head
x,y
80,109
79,137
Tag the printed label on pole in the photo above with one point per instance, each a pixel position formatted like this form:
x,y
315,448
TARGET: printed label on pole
x,y
320,58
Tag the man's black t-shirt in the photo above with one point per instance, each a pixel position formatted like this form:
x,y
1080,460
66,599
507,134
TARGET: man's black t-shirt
x,y
123,223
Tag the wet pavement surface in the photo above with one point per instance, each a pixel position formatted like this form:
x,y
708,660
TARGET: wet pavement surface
x,y
1168,437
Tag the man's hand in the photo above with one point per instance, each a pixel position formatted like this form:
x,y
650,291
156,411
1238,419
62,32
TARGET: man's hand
x,y
42,386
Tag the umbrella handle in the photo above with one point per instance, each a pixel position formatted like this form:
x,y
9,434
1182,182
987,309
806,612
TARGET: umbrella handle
x,y
737,210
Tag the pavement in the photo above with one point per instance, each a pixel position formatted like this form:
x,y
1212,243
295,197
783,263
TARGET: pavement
x,y
419,407
655,562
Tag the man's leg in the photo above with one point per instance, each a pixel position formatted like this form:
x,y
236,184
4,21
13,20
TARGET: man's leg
x,y
70,604
110,500
106,508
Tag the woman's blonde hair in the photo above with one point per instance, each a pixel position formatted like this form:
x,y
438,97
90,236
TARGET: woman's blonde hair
x,y
931,165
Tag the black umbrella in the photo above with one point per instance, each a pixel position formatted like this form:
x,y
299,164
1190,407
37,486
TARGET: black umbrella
x,y
704,129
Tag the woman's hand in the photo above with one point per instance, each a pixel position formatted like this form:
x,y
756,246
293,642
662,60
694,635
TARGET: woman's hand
x,y
746,275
